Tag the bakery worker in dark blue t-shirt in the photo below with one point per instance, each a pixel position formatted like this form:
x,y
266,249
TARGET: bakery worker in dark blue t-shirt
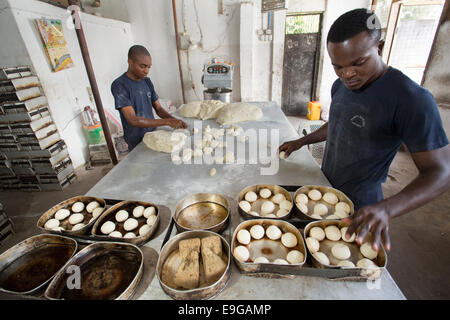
x,y
374,109
135,98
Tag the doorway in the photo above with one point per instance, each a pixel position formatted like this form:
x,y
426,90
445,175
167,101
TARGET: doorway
x,y
301,59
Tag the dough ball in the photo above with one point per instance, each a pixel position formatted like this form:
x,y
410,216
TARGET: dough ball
x,y
342,206
138,211
315,195
121,216
340,251
317,233
278,198
51,224
115,234
251,196
241,253
108,227
302,207
58,229
144,230
257,232
366,264
270,215
330,198
265,193
301,198
341,214
282,155
97,212
212,172
129,235
208,151
62,214
286,205
332,217
151,220
176,158
346,264
245,205
254,213
150,211
321,257
76,218
273,232
367,251
320,209
243,236
261,260
130,224
316,216
282,213
91,206
295,257
289,240
78,226
312,244
333,233
78,207
267,207
280,261
343,231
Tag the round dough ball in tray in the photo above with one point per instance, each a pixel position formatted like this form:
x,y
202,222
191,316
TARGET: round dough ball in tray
x,y
73,216
124,221
322,203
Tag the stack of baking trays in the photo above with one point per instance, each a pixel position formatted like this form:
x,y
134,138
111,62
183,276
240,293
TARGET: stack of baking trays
x,y
6,227
32,155
269,231
89,249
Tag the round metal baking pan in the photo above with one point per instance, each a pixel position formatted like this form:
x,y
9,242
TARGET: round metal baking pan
x,y
67,204
202,211
30,265
271,249
109,215
311,203
169,259
326,245
256,206
101,271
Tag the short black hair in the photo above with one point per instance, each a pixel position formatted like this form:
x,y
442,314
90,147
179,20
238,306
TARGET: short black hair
x,y
137,50
354,22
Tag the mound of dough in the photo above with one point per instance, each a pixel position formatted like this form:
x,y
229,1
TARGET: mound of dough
x,y
164,141
238,112
191,110
203,110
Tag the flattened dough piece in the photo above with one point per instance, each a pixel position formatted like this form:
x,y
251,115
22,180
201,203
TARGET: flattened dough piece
x,y
164,140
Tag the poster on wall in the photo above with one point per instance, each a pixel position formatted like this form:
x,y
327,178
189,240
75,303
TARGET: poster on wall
x,y
55,44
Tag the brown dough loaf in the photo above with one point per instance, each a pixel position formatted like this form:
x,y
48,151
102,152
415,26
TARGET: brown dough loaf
x,y
187,275
213,264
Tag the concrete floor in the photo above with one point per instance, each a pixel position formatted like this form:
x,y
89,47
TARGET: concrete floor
x,y
420,240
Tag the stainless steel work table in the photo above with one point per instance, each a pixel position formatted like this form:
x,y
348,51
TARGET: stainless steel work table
x,y
150,176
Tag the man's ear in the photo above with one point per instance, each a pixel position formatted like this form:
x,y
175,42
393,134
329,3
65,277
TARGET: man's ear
x,y
381,47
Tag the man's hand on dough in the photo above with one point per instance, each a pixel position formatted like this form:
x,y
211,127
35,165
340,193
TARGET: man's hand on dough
x,y
374,219
289,147
176,124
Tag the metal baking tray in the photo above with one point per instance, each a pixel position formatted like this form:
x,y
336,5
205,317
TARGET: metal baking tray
x,y
169,259
202,211
27,267
109,215
107,270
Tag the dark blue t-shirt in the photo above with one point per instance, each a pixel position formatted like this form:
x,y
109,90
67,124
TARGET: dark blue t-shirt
x,y
140,95
366,128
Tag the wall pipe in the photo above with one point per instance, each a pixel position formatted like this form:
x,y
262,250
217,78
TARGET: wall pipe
x,y
90,72
177,37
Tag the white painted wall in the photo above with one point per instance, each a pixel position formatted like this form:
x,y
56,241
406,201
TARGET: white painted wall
x,y
66,90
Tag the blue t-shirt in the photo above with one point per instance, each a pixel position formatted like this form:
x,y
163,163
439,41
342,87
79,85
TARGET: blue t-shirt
x,y
367,127
140,95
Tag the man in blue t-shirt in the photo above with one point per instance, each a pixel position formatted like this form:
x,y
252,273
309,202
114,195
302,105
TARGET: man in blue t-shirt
x,y
135,97
374,109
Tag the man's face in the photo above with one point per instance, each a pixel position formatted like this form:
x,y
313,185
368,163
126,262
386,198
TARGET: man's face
x,y
356,61
140,66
